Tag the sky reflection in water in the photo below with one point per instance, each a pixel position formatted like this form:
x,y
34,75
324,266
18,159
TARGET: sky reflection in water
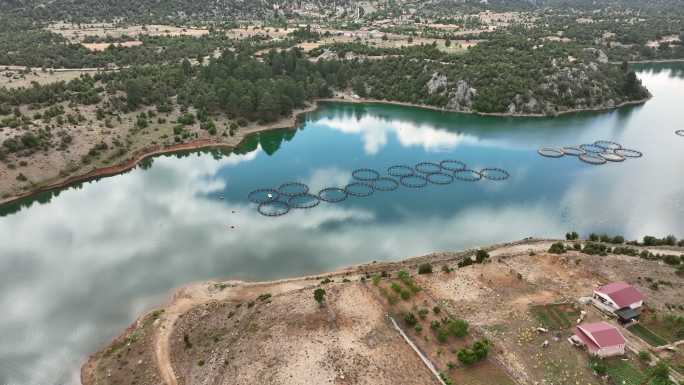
x,y
77,270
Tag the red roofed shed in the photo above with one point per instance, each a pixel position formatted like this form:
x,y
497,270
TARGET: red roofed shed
x,y
600,338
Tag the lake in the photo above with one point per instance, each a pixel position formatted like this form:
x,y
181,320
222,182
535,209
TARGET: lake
x,y
78,265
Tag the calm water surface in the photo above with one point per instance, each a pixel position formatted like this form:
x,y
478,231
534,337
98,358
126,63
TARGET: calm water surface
x,y
79,265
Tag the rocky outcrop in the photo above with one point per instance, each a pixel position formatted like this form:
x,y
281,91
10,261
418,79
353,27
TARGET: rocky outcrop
x,y
437,83
461,97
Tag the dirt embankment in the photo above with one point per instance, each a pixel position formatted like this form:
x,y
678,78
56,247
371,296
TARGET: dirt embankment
x,y
232,332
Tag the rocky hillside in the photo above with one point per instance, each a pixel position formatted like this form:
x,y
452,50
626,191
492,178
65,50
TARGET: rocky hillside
x,y
503,76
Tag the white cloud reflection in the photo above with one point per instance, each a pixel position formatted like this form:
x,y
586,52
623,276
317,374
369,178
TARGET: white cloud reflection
x,y
375,132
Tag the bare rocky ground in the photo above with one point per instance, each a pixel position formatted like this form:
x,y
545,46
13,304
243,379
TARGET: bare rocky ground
x,y
275,333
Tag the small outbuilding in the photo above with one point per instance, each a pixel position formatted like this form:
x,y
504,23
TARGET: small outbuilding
x,y
600,338
623,299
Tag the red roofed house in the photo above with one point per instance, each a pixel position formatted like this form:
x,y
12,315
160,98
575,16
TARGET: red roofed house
x,y
600,338
622,298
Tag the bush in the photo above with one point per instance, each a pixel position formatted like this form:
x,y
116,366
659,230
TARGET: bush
x,y
557,248
422,313
593,237
457,328
481,349
186,119
319,295
436,310
410,319
425,268
442,335
572,236
592,248
644,356
481,256
418,328
466,356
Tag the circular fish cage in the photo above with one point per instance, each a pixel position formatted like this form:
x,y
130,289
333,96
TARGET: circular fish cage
x,y
452,165
629,153
385,184
592,148
273,209
467,175
291,189
304,201
263,195
332,194
359,189
679,132
428,168
550,152
401,170
611,157
608,145
572,151
440,178
592,159
365,174
413,181
494,173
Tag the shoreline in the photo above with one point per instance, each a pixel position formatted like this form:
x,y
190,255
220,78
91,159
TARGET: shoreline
x,y
351,100
199,292
286,123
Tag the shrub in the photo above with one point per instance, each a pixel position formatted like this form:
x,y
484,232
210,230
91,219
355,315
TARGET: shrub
x,y
457,327
436,310
481,256
418,328
319,295
425,268
481,349
446,269
186,119
644,356
376,280
572,236
592,248
264,297
557,248
21,177
442,335
593,237
466,356
422,313
410,319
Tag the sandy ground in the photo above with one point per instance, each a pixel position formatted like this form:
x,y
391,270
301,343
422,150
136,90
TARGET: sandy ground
x,y
76,33
99,47
275,333
18,78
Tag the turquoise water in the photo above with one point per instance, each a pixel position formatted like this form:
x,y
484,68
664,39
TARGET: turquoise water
x,y
78,265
